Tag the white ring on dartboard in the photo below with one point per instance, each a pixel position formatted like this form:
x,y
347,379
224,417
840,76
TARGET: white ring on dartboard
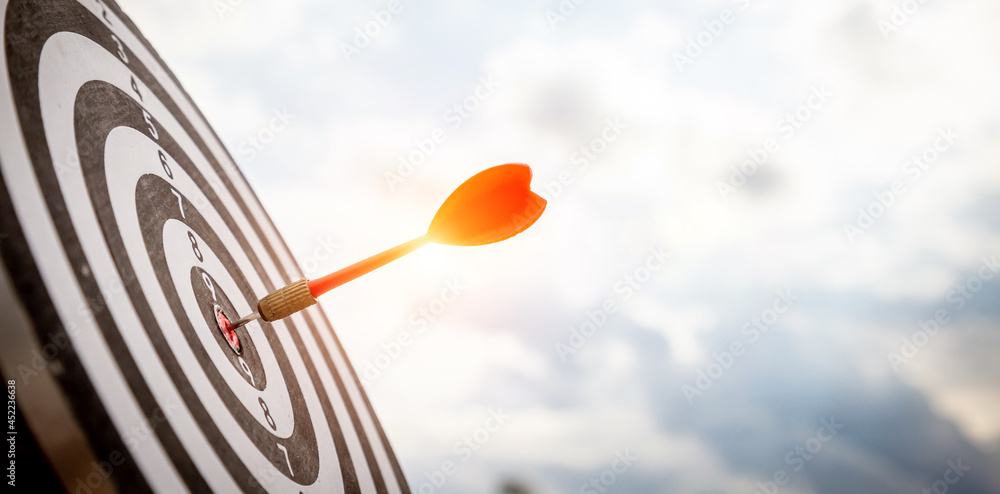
x,y
144,279
275,396
100,265
332,347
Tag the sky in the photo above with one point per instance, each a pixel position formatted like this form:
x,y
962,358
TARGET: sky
x,y
768,263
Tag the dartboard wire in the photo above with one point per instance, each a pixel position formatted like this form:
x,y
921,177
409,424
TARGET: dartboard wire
x,y
259,211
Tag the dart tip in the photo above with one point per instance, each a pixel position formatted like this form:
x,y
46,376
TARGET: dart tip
x,y
246,319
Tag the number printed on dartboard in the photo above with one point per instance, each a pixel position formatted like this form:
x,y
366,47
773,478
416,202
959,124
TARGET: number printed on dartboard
x,y
137,253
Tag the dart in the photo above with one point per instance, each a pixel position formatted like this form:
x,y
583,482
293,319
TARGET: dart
x,y
494,205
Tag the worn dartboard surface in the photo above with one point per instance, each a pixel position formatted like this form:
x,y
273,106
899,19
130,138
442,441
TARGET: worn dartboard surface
x,y
125,226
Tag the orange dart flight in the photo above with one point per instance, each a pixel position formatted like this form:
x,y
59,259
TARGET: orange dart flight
x,y
494,205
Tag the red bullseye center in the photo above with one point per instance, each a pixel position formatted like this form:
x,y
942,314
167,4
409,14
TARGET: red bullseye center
x,y
227,329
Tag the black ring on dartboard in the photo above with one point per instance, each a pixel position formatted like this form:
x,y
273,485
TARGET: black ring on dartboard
x,y
214,298
30,26
155,205
351,374
27,24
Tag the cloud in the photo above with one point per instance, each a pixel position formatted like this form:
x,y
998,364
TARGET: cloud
x,y
682,134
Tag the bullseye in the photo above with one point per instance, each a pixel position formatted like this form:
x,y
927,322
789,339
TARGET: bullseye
x,y
227,329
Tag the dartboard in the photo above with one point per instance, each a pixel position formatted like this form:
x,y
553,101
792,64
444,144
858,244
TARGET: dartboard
x,y
127,232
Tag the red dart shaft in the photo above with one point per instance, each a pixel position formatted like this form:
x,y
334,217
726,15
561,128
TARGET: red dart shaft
x,y
298,295
321,285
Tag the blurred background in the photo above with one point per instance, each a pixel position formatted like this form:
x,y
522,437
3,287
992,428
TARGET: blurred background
x,y
769,261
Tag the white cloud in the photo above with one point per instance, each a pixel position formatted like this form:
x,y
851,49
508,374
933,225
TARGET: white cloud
x,y
657,183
